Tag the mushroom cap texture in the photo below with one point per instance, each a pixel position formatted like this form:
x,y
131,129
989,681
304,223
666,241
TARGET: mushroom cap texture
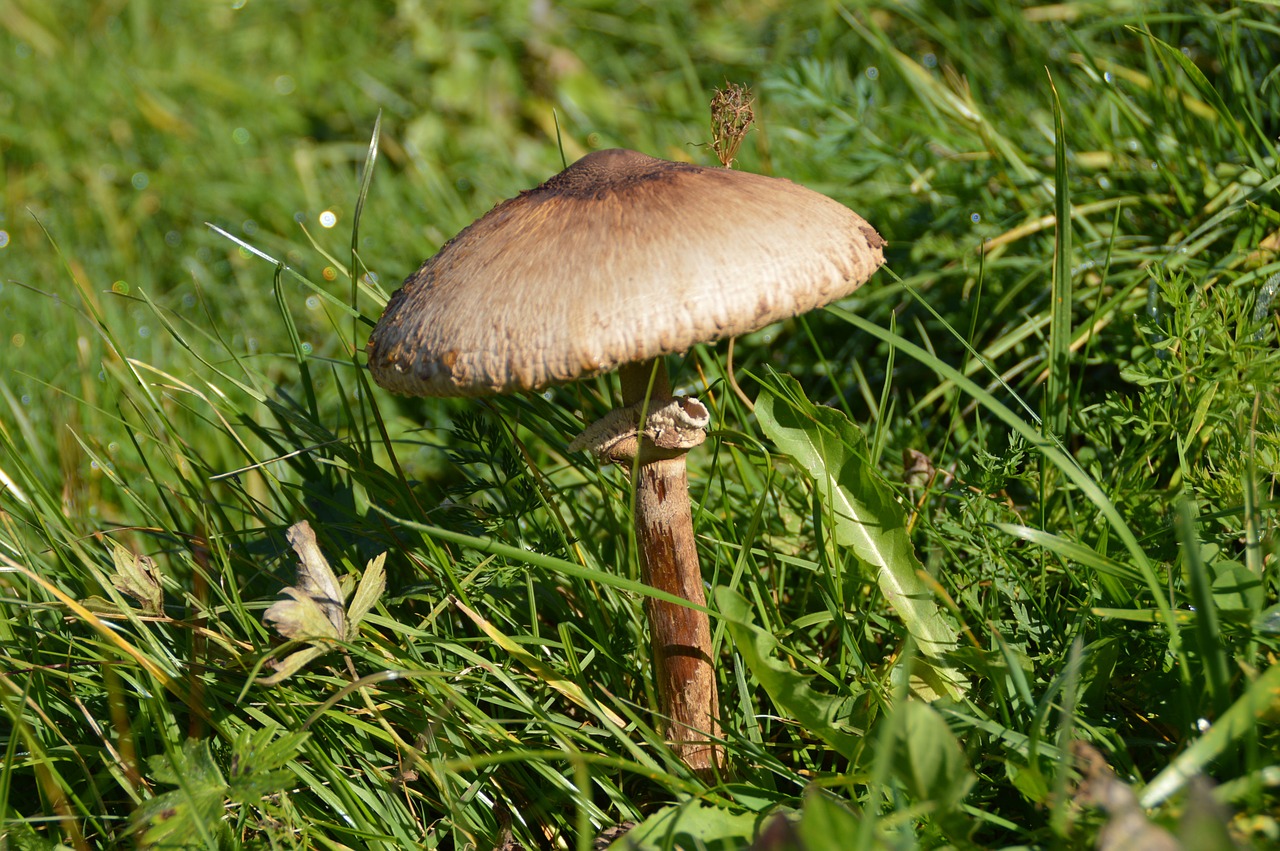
x,y
620,257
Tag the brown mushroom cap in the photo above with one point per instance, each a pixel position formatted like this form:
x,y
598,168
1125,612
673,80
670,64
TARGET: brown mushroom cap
x,y
620,257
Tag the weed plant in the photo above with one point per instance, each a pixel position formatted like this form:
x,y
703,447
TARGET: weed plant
x,y
1066,374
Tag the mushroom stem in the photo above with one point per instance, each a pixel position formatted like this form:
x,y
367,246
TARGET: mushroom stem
x,y
669,562
634,379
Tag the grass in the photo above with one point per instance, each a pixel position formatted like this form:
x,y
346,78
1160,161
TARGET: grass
x,y
1092,407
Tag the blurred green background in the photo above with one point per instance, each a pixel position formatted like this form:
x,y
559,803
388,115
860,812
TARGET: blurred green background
x,y
124,126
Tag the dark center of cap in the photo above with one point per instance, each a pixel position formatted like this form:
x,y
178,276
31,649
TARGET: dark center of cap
x,y
602,173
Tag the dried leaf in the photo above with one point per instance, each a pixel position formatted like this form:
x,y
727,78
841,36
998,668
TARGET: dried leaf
x,y
918,471
731,118
1127,826
138,577
313,609
300,618
315,577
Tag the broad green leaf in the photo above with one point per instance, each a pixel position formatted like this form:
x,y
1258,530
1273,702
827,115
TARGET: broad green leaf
x,y
1268,621
1028,780
1237,588
21,832
864,515
195,812
929,761
253,788
789,691
825,823
691,825
256,760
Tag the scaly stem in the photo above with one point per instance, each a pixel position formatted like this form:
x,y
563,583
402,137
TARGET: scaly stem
x,y
669,562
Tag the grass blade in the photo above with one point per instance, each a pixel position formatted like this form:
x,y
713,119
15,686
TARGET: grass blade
x,y
1058,390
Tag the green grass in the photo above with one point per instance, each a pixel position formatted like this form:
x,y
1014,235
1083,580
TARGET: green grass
x,y
1096,404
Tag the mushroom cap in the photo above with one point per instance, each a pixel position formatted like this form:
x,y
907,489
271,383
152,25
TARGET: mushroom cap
x,y
621,257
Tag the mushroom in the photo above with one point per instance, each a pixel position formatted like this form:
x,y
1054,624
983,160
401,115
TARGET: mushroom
x,y
613,263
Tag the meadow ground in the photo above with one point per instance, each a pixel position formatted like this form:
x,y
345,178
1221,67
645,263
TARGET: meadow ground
x,y
1064,379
